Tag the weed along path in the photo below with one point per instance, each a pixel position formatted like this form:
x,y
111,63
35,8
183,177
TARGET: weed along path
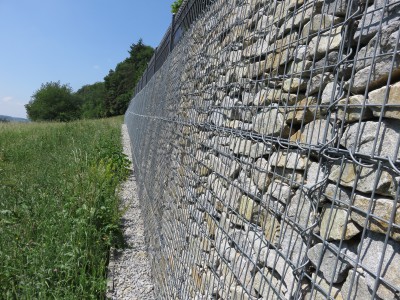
x,y
129,268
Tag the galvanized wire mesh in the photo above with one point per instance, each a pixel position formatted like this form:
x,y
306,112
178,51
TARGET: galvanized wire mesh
x,y
266,149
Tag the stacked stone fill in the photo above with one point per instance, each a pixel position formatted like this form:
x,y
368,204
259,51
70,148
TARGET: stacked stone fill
x,y
267,152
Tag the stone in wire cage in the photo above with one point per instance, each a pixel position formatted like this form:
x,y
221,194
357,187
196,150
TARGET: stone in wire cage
x,y
266,148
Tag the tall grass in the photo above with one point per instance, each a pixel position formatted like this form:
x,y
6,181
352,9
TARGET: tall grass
x,y
58,207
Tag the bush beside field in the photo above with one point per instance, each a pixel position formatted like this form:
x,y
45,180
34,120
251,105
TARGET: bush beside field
x,y
58,207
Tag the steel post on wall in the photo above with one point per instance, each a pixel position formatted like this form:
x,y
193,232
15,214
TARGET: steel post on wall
x,y
172,34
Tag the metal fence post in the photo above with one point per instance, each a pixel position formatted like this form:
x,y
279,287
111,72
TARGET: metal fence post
x,y
172,33
155,60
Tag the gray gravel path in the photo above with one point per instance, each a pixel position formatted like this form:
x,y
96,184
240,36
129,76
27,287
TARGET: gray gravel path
x,y
129,269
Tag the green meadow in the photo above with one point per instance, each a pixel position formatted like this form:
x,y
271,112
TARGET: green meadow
x,y
58,207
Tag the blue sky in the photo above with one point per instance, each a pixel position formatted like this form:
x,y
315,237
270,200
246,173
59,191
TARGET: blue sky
x,y
75,42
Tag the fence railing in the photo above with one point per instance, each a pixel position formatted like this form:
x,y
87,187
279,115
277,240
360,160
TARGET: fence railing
x,y
187,14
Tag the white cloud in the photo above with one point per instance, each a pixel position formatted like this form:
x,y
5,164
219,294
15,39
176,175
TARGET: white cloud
x,y
11,106
7,99
96,67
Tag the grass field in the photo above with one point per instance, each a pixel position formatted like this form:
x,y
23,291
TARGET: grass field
x,y
58,207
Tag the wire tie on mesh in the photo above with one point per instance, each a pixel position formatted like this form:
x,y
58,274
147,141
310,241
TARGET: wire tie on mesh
x,y
323,154
333,104
280,144
338,65
325,146
359,163
295,270
300,147
351,17
393,165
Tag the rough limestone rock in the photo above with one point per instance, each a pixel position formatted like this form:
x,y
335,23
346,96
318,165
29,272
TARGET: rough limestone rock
x,y
300,210
378,98
353,109
243,268
217,118
315,292
260,149
361,138
299,68
256,69
239,241
233,195
317,23
246,115
238,293
279,191
365,180
259,245
301,53
280,52
381,45
295,85
209,284
276,263
371,22
291,244
326,42
382,208
267,285
240,146
248,208
355,287
330,94
262,45
289,160
276,207
293,178
221,239
375,76
315,174
260,174
245,183
247,98
304,112
228,280
336,222
263,23
318,82
302,15
229,169
268,95
339,7
271,122
333,265
373,243
314,133
337,194
270,225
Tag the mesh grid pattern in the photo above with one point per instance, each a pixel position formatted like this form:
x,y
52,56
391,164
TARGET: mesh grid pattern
x,y
266,149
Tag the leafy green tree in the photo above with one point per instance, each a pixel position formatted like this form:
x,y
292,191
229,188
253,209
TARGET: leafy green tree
x,y
120,83
92,96
54,102
175,6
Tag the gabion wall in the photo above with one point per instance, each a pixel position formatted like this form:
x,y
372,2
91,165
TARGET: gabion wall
x,y
267,153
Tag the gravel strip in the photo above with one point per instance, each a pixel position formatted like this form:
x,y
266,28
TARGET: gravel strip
x,y
129,269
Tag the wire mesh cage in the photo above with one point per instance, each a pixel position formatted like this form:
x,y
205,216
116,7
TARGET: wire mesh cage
x,y
266,149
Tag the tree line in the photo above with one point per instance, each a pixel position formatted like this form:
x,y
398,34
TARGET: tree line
x,y
55,101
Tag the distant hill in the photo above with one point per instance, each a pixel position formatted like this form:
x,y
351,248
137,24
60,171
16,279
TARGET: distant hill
x,y
12,119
